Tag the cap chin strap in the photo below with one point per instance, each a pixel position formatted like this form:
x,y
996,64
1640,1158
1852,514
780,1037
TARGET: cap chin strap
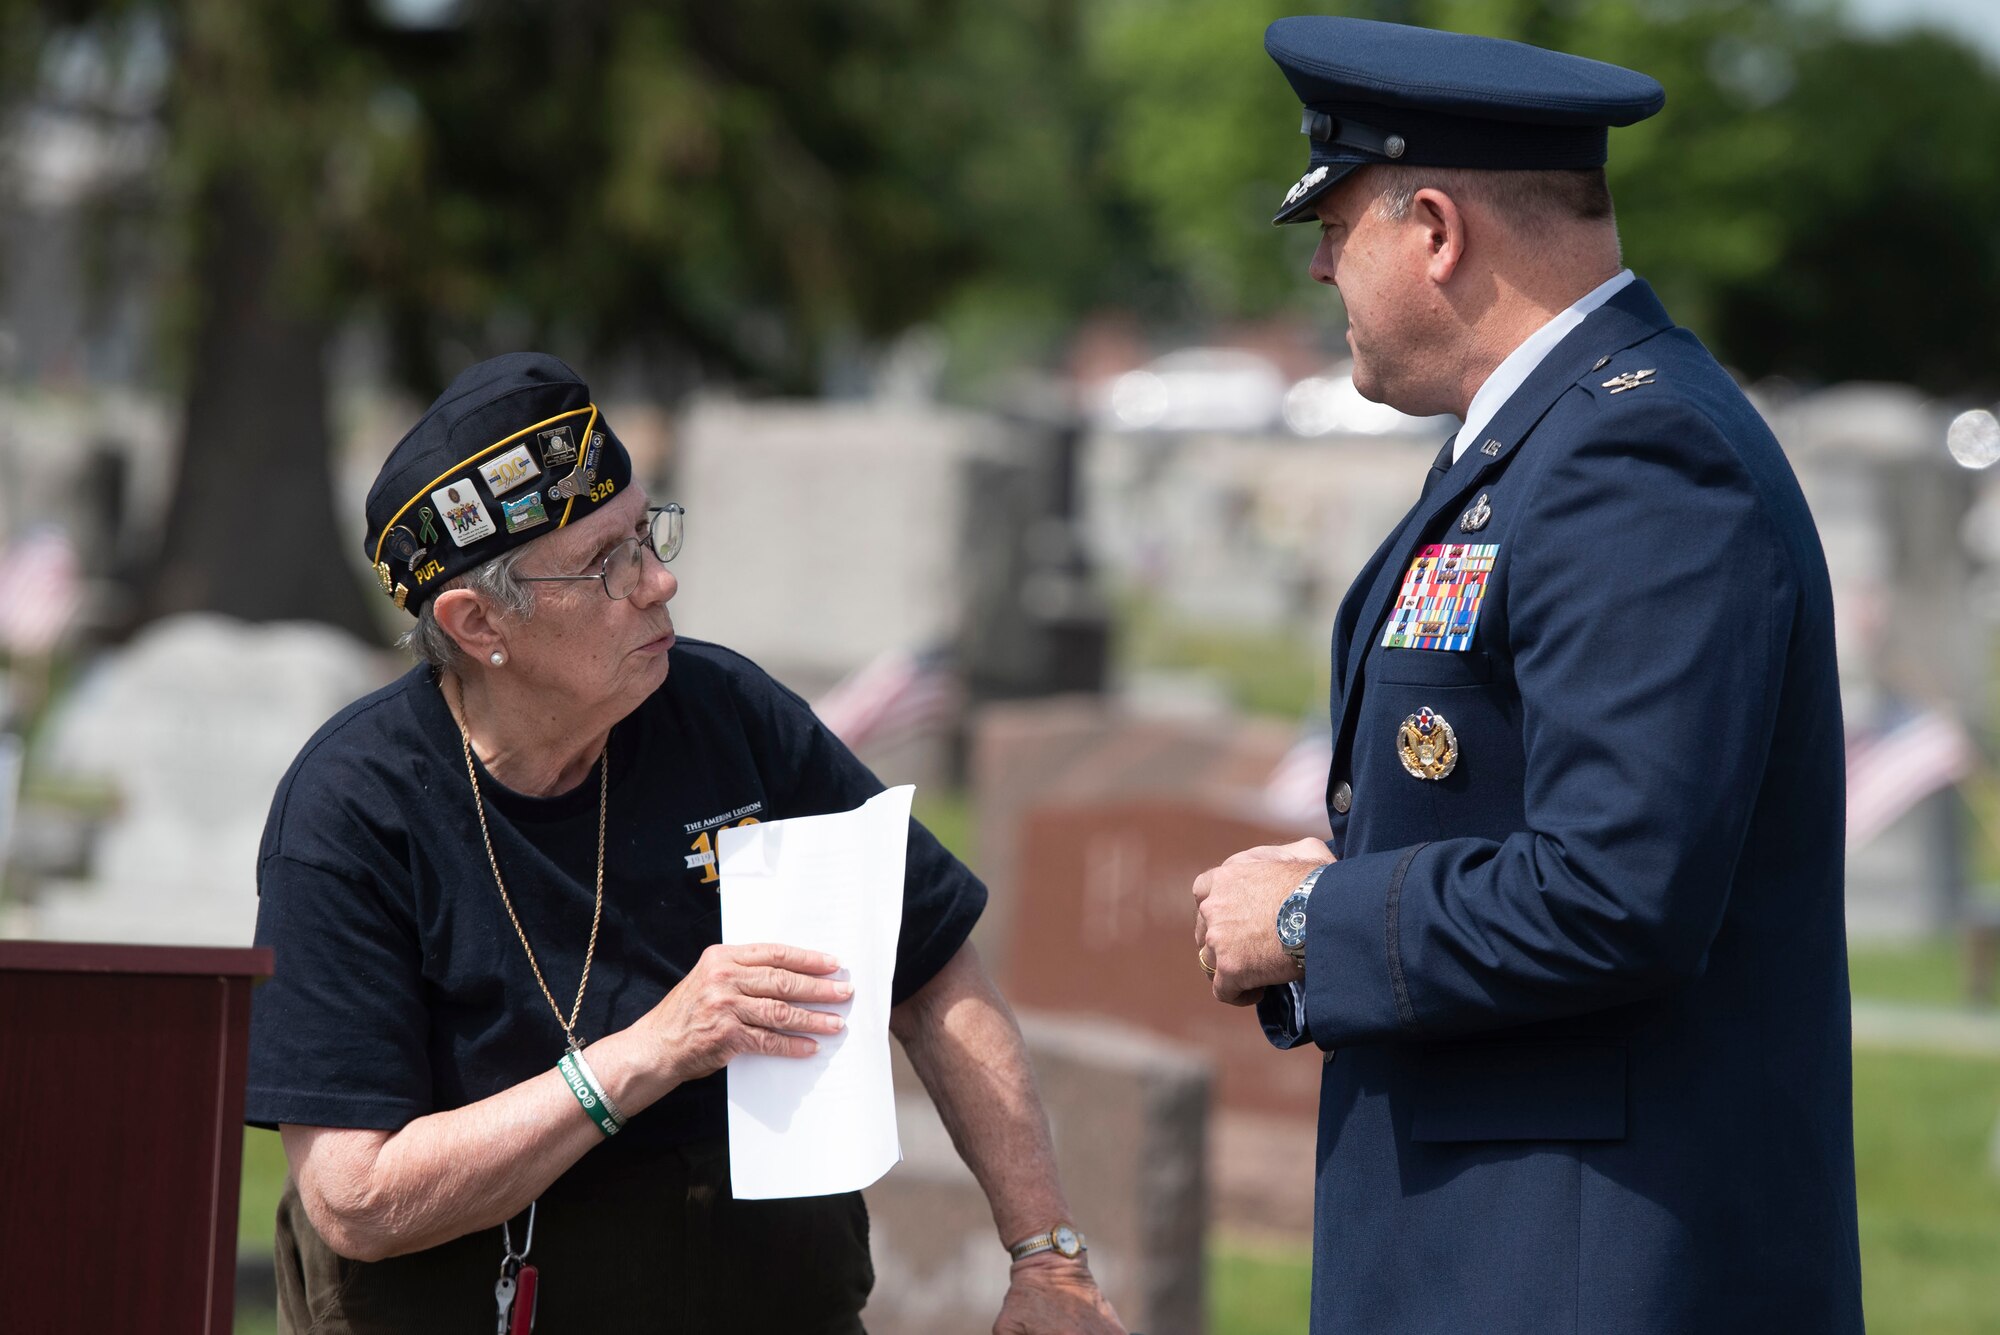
x,y
1325,128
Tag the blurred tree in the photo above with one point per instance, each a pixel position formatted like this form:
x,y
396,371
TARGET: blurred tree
x,y
757,190
743,189
1816,202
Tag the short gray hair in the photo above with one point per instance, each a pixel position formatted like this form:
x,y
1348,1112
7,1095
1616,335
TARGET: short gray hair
x,y
494,581
1562,195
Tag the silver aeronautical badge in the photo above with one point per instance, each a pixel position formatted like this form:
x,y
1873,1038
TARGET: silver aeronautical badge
x,y
1426,745
1625,380
1475,519
1306,182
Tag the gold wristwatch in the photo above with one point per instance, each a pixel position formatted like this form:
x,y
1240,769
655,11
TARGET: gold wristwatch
x,y
1062,1239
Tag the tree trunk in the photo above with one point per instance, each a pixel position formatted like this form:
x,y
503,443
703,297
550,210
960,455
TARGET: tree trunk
x,y
251,530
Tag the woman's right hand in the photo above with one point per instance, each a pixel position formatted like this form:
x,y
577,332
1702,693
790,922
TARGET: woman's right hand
x,y
737,999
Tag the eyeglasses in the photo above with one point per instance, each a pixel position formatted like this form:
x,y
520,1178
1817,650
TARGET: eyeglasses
x,y
620,570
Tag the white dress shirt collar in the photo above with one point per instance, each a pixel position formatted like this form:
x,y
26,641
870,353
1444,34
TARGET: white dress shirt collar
x,y
1512,373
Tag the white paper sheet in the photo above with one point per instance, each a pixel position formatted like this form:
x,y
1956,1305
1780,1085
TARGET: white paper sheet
x,y
813,1126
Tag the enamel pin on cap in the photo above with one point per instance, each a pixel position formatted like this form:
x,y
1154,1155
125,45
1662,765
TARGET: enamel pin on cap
x,y
1427,745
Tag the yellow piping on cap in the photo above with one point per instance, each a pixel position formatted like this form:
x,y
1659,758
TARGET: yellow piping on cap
x,y
581,459
473,458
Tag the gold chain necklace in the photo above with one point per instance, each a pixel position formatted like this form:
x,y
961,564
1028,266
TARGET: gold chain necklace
x,y
596,914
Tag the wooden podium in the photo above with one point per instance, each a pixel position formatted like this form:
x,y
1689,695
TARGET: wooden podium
x,y
122,1071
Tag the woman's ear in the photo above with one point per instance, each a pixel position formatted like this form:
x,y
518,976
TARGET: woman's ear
x,y
463,615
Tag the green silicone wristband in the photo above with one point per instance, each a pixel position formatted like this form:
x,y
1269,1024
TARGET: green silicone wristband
x,y
597,1086
592,1101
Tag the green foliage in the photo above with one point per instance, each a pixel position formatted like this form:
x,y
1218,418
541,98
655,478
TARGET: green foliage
x,y
1817,203
761,187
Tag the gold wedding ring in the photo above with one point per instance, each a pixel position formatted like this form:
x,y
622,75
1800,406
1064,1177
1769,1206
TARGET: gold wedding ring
x,y
1201,958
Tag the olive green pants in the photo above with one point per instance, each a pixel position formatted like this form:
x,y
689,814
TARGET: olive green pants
x,y
664,1252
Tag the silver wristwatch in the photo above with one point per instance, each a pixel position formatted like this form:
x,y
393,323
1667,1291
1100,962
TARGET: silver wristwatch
x,y
1062,1239
1292,918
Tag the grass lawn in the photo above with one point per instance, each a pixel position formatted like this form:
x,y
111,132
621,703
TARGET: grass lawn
x,y
1262,672
1930,1198
1930,1211
1926,972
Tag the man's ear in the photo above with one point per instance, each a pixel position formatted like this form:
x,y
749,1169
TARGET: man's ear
x,y
1444,231
463,615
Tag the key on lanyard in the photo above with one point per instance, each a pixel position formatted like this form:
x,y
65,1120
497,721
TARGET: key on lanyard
x,y
503,1294
516,1291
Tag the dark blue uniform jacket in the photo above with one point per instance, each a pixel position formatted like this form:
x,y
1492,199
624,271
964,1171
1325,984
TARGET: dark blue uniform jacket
x,y
1583,1002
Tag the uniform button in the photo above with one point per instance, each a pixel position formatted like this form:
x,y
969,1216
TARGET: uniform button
x,y
1343,796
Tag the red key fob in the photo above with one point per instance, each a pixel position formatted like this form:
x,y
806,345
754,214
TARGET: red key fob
x,y
526,1286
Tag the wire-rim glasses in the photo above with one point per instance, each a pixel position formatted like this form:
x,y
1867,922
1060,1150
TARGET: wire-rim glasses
x,y
620,570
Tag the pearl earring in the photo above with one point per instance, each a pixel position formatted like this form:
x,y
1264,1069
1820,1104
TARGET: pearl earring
x,y
496,658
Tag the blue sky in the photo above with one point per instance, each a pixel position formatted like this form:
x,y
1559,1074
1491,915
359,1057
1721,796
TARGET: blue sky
x,y
1976,20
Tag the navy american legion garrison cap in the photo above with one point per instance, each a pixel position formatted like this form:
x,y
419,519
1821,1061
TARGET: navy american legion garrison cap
x,y
512,450
1390,93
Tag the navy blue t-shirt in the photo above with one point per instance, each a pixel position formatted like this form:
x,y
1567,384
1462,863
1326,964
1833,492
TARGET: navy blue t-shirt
x,y
401,987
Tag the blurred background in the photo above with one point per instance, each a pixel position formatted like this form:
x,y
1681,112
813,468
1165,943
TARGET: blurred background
x,y
1011,435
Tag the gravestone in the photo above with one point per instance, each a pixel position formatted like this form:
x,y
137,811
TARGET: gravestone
x,y
1128,1115
1104,925
1086,749
190,727
820,535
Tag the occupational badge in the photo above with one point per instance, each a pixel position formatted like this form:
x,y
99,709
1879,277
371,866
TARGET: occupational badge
x,y
1426,745
510,470
382,573
465,516
1442,592
1475,519
1625,380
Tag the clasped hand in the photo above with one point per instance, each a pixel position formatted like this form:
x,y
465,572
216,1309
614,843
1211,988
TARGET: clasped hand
x,y
1236,916
1053,1295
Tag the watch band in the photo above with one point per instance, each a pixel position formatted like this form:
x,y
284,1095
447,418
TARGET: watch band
x,y
1062,1239
1296,903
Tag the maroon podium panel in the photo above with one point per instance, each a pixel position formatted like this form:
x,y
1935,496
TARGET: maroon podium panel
x,y
122,1072
1104,925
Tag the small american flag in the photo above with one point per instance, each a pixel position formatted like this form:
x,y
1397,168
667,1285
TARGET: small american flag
x,y
1890,772
1295,794
40,591
896,694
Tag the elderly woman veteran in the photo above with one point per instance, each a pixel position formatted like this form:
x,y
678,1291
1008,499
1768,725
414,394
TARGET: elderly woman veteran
x,y
499,864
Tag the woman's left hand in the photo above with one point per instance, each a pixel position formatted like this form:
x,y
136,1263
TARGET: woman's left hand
x,y
1053,1295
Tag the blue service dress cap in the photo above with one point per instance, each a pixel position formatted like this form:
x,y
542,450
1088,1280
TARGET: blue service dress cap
x,y
1391,93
